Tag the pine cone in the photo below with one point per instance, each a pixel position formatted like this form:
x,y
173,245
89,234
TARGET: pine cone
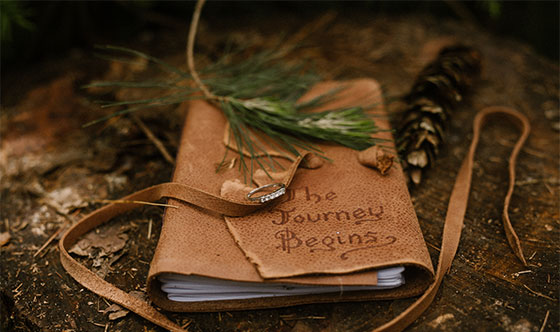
x,y
439,88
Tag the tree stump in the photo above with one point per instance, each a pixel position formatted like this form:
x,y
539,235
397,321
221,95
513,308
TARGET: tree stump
x,y
53,172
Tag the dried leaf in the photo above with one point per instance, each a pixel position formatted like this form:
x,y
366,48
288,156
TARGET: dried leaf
x,y
65,200
115,311
118,314
103,270
4,238
101,246
110,240
98,261
79,248
115,258
112,308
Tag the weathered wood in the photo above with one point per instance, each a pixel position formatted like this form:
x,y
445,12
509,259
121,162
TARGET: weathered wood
x,y
52,171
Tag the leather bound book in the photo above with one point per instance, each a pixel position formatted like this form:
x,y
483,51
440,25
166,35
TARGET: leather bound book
x,y
342,232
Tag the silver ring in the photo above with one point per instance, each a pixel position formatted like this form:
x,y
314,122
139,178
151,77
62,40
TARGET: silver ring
x,y
270,196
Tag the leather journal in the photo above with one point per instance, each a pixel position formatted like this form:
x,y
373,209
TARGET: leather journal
x,y
340,232
338,223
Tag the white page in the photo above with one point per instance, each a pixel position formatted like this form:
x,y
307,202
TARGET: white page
x,y
184,288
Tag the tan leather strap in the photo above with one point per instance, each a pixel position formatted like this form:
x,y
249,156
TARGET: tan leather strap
x,y
456,209
191,195
451,232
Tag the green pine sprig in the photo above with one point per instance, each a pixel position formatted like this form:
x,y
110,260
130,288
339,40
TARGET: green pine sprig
x,y
259,94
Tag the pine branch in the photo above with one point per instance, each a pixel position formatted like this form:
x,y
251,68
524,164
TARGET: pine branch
x,y
258,94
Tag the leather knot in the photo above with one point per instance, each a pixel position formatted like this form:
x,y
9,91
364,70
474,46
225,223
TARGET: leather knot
x,y
376,158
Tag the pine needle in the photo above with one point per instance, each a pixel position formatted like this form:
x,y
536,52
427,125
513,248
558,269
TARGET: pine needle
x,y
258,93
164,65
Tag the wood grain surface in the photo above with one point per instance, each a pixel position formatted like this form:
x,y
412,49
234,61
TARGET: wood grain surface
x,y
53,171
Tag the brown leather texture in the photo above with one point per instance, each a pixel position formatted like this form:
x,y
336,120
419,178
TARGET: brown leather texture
x,y
358,219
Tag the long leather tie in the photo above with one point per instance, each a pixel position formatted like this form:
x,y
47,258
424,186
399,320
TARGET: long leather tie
x,y
456,209
451,232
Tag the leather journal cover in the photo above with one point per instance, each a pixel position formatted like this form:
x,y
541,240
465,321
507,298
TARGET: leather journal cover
x,y
339,222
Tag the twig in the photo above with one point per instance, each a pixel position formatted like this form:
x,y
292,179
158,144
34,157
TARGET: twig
x,y
17,288
159,145
533,255
433,246
63,227
549,189
106,302
528,150
150,229
20,226
545,321
190,46
517,274
122,201
535,181
540,294
288,317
